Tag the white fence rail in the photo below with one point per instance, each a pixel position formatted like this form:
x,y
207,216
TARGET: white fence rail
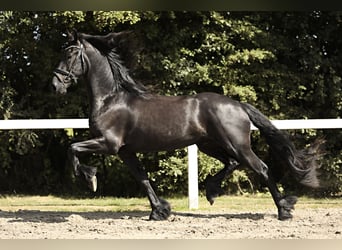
x,y
83,123
192,150
43,124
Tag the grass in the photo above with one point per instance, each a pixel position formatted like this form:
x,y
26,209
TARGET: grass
x,y
246,203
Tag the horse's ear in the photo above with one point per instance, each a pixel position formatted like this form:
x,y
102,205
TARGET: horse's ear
x,y
72,35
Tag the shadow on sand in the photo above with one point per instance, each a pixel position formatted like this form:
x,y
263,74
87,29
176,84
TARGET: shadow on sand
x,y
60,217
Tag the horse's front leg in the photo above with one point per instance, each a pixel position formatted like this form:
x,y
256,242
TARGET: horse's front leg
x,y
97,145
160,208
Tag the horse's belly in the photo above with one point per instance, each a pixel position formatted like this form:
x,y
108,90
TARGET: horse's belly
x,y
161,140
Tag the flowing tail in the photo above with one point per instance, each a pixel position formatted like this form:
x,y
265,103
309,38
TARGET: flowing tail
x,y
302,163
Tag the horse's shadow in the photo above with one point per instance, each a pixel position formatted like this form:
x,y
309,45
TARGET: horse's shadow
x,y
241,216
60,217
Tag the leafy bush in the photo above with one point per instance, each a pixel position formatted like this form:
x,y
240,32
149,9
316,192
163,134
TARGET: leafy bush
x,y
287,70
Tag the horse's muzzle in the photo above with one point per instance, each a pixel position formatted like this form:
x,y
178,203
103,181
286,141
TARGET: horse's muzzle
x,y
59,87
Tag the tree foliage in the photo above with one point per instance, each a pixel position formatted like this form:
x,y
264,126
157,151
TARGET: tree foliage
x,y
287,64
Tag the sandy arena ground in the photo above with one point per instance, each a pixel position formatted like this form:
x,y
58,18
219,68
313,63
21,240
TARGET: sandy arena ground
x,y
306,224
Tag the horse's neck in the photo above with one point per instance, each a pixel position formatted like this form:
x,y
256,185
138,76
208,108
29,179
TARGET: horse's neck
x,y
100,83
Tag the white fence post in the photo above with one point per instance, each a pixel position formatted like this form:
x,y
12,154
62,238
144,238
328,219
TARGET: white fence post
x,y
193,177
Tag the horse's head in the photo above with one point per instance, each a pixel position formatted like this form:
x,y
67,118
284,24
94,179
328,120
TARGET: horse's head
x,y
96,56
72,66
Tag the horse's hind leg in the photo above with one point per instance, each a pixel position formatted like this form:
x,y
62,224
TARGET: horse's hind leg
x,y
160,208
213,183
285,204
232,132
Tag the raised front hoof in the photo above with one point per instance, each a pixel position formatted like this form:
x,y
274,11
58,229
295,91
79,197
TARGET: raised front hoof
x,y
212,190
92,183
89,174
286,205
161,212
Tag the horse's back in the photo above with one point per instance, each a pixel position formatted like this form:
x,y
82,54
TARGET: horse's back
x,y
224,108
169,122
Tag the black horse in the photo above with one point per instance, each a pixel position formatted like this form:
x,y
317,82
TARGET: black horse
x,y
125,118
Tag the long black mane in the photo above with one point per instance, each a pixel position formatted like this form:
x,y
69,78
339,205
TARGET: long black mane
x,y
109,45
122,80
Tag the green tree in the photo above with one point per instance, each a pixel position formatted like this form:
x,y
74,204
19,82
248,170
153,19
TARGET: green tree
x,y
287,64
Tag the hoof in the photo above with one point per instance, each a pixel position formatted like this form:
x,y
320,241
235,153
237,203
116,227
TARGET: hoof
x,y
212,190
284,215
286,205
161,212
89,174
93,183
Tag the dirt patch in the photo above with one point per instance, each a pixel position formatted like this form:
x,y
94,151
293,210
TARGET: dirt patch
x,y
308,224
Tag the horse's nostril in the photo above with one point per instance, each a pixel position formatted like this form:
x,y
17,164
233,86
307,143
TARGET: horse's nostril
x,y
54,87
54,81
57,85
